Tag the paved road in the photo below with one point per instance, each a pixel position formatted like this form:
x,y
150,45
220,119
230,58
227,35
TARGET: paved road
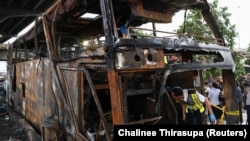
x,y
244,116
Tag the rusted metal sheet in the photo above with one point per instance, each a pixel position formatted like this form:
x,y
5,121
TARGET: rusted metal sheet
x,y
32,88
225,53
115,97
132,59
59,8
137,9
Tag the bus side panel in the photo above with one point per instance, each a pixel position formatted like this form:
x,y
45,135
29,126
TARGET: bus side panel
x,y
33,87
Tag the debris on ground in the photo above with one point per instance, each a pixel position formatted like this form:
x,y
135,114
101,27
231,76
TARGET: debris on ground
x,y
13,127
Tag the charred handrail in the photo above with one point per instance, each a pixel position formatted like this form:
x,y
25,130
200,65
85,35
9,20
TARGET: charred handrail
x,y
177,34
166,43
98,104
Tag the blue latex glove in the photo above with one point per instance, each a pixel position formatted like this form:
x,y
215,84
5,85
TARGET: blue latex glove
x,y
212,117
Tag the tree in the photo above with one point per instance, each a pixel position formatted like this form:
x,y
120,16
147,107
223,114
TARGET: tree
x,y
194,23
247,59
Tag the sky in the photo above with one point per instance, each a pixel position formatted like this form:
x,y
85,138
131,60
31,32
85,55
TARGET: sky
x,y
238,9
3,65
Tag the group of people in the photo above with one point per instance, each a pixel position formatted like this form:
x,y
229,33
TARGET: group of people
x,y
244,89
194,104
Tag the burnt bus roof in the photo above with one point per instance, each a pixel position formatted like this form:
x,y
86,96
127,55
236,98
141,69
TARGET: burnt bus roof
x,y
67,15
13,20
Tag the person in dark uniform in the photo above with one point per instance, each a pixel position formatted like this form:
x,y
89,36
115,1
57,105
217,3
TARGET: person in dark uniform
x,y
192,105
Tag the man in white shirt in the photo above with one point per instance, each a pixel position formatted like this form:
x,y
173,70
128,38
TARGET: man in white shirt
x,y
213,97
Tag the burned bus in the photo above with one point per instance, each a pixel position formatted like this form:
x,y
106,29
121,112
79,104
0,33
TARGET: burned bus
x,y
74,77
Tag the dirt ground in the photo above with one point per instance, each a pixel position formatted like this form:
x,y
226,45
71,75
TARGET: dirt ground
x,y
10,129
13,127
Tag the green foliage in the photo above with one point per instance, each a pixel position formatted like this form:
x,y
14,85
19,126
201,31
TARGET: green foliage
x,y
141,33
248,48
195,23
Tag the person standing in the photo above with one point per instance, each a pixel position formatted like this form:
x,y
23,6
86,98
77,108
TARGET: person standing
x,y
241,79
247,97
210,80
213,97
239,99
247,107
122,24
206,88
192,105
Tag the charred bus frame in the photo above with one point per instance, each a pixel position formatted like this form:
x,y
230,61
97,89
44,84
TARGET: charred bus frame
x,y
66,88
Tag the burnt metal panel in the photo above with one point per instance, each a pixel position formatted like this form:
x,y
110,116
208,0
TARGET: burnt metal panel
x,y
126,52
140,59
33,96
69,80
116,94
192,46
138,8
43,99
